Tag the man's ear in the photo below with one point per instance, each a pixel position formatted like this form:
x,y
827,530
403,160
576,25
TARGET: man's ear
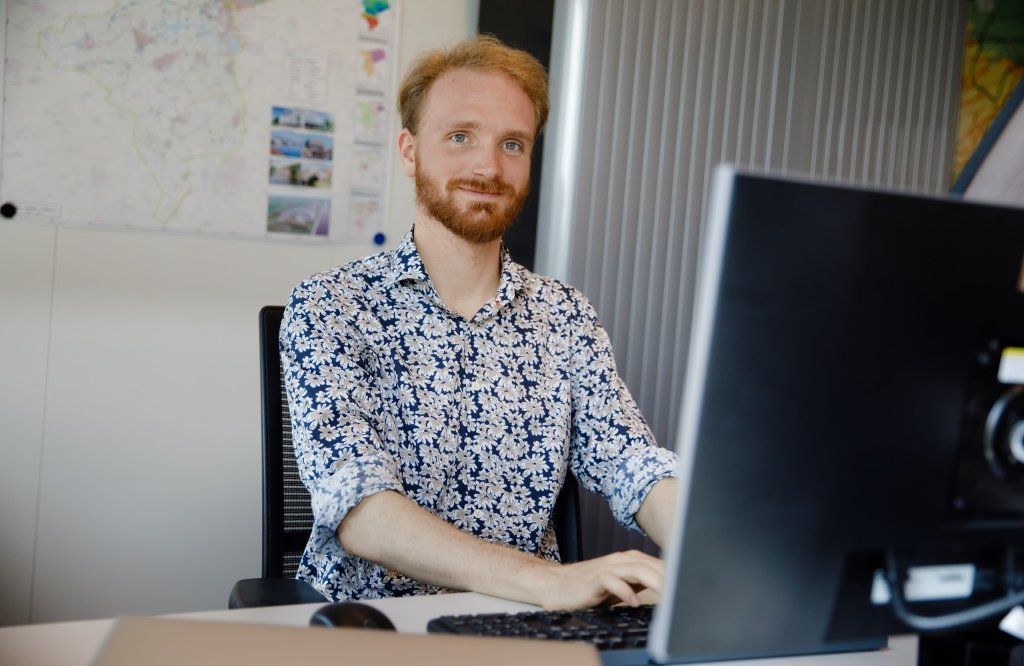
x,y
407,151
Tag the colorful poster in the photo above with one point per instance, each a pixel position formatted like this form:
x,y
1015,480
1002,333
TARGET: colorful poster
x,y
993,68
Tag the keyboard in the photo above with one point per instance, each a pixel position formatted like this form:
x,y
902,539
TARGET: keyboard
x,y
615,629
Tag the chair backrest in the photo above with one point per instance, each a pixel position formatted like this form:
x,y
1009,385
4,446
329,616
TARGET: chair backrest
x,y
287,518
568,528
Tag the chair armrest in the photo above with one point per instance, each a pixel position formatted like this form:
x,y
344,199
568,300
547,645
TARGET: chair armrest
x,y
255,592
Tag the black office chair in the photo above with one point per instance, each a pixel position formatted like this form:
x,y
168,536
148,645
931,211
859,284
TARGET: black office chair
x,y
287,518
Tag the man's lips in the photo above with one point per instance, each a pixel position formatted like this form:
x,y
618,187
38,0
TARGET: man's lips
x,y
481,188
480,193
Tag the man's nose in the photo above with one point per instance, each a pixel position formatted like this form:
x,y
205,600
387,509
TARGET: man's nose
x,y
488,163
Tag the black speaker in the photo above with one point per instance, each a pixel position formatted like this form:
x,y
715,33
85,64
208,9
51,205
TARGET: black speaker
x,y
990,473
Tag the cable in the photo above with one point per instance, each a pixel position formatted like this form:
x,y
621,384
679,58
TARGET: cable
x,y
925,623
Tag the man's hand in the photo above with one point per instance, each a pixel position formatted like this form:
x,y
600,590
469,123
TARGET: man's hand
x,y
611,578
619,576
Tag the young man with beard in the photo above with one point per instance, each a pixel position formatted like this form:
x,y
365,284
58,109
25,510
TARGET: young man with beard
x,y
440,393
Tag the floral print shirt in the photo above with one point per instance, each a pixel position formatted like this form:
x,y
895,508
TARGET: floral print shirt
x,y
477,421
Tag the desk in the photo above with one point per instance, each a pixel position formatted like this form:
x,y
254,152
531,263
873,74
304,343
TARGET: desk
x,y
76,643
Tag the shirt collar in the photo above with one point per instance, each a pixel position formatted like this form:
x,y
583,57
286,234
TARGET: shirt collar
x,y
406,265
513,278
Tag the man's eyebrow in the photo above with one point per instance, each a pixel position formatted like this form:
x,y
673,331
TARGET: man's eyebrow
x,y
522,136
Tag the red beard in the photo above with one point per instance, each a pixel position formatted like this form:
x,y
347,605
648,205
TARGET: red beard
x,y
476,222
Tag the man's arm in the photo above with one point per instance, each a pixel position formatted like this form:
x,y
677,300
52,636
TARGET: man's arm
x,y
395,532
657,513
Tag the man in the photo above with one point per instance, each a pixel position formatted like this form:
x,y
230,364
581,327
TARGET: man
x,y
440,392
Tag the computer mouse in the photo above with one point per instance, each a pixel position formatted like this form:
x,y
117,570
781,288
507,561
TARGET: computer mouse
x,y
350,614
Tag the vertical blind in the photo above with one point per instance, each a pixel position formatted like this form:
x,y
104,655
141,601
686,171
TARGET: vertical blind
x,y
650,95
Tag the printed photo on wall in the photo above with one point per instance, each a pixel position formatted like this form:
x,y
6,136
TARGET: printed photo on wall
x,y
284,116
378,21
365,215
302,216
294,144
300,173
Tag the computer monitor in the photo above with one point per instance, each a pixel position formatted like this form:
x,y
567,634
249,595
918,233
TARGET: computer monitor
x,y
853,395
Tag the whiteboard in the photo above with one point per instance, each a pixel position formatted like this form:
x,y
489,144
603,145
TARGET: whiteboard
x,y
255,118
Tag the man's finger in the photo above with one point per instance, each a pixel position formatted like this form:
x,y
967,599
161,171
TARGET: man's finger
x,y
640,574
617,587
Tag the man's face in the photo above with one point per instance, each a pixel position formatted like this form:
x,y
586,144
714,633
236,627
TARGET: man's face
x,y
471,155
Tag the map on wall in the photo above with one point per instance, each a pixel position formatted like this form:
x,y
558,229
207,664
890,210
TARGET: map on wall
x,y
993,70
253,118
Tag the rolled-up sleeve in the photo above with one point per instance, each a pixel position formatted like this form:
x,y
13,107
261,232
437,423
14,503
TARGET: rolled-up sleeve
x,y
339,423
613,450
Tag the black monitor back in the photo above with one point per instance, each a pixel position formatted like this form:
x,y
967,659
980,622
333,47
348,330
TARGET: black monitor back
x,y
844,358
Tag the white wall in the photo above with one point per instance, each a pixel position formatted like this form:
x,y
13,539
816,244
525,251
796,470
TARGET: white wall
x,y
129,401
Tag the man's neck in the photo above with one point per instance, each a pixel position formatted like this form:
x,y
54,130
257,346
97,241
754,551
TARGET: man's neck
x,y
466,275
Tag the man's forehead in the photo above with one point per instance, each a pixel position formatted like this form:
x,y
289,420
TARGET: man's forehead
x,y
471,98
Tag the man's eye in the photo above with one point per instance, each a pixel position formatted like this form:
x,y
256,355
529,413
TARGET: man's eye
x,y
513,146
459,137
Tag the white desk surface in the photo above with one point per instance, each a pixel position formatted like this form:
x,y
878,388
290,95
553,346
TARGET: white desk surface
x,y
77,643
